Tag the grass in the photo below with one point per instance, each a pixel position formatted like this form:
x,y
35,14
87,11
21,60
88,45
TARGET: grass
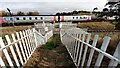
x,y
53,43
115,36
9,30
97,25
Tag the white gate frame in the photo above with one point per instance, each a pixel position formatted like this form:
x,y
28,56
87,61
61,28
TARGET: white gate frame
x,y
75,39
21,48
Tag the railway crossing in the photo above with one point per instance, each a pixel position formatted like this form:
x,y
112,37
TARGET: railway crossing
x,y
76,41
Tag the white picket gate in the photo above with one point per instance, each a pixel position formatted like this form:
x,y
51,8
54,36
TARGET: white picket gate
x,y
77,44
16,49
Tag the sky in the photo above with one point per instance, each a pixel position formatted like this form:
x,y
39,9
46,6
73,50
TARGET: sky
x,y
51,6
113,0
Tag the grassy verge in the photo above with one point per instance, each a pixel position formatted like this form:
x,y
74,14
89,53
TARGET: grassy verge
x,y
9,30
115,36
53,43
97,25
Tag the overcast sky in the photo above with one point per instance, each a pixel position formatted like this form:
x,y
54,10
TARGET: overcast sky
x,y
51,6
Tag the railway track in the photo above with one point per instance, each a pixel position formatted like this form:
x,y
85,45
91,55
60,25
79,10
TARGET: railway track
x,y
16,24
90,30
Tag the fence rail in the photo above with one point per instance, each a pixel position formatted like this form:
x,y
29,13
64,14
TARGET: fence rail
x,y
82,53
17,48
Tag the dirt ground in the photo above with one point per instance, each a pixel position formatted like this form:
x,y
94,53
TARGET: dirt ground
x,y
58,57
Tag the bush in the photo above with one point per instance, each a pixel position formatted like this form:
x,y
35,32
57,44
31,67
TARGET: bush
x,y
118,25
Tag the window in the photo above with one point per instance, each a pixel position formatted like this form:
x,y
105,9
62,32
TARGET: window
x,y
41,18
80,17
23,18
17,18
84,17
4,18
35,18
30,18
73,17
76,17
11,19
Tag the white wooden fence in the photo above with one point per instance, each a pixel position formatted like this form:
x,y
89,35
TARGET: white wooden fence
x,y
48,35
40,27
17,49
77,43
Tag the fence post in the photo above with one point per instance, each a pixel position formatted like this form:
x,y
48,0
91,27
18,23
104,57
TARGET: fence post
x,y
78,47
46,37
85,51
27,34
92,51
32,39
103,48
81,48
17,48
29,39
21,47
12,50
6,52
34,31
117,55
1,62
24,44
73,46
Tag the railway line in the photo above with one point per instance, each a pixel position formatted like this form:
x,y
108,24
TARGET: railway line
x,y
90,30
52,19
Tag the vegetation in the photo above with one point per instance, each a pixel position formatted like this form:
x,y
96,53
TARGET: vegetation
x,y
114,10
33,13
53,43
97,25
10,30
3,13
20,13
29,13
115,36
79,13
